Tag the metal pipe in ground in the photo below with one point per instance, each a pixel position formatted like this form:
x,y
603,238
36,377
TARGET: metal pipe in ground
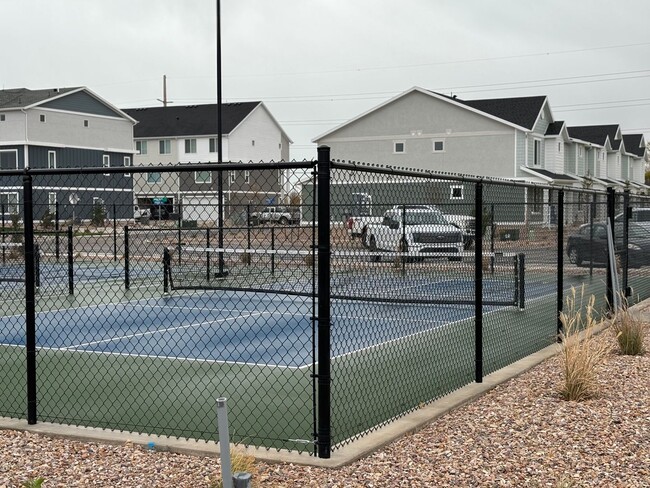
x,y
224,442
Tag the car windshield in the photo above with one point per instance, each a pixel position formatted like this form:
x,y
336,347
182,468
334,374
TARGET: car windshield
x,y
419,218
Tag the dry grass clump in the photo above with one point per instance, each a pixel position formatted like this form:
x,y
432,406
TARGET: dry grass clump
x,y
630,331
581,352
240,462
245,258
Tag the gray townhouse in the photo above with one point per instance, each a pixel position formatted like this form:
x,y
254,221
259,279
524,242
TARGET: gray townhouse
x,y
65,128
188,134
514,138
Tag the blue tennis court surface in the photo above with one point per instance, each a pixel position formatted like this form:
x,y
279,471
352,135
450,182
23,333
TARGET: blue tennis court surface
x,y
250,328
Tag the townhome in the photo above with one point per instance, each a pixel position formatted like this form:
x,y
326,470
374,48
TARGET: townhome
x,y
188,134
65,128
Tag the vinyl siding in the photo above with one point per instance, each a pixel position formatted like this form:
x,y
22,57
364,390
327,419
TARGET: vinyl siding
x,y
82,102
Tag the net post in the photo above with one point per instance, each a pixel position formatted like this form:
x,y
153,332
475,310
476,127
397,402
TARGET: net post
x,y
30,298
70,261
166,270
324,435
127,259
478,285
114,233
521,280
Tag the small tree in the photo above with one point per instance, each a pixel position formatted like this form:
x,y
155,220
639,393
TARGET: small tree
x,y
47,221
17,235
99,214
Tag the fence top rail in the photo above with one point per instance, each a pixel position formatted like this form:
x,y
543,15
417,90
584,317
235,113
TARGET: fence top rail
x,y
182,167
393,171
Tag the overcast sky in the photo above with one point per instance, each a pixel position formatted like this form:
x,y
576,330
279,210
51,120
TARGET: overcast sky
x,y
318,63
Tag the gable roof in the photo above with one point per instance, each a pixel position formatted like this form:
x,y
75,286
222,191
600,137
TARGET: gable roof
x,y
15,98
189,120
555,128
634,144
596,134
66,99
522,111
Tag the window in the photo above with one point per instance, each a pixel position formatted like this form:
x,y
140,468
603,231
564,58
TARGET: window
x,y
2,117
9,201
399,147
233,177
85,123
247,176
153,178
559,147
106,162
213,144
579,151
535,199
127,164
51,203
141,147
165,146
42,118
438,146
457,193
190,146
9,159
202,177
537,156
51,159
253,142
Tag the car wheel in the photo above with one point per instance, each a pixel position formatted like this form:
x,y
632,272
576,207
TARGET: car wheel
x,y
372,246
574,256
283,221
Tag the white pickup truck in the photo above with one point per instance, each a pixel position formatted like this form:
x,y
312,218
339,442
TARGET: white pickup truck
x,y
275,215
358,226
423,232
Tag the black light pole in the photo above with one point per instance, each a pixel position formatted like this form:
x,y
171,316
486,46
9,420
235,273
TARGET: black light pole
x,y
221,272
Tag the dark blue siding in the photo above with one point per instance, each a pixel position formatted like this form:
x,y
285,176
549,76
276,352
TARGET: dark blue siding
x,y
83,103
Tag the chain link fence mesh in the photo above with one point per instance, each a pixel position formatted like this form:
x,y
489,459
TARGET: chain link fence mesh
x,y
154,296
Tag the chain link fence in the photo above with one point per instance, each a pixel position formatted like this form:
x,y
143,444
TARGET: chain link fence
x,y
134,297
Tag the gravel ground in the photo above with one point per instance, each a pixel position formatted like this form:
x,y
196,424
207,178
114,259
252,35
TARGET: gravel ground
x,y
519,434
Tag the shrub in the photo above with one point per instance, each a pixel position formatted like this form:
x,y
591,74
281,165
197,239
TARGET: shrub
x,y
630,331
33,483
581,352
99,214
240,462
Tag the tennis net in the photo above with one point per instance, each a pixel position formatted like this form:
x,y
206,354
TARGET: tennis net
x,y
12,263
397,277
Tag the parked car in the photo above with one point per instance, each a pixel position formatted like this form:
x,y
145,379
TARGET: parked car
x,y
275,215
159,212
581,248
640,216
419,231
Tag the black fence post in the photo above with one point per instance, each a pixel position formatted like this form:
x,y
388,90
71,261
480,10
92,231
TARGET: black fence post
x,y
70,260
625,261
2,211
30,298
560,262
478,285
611,209
114,233
57,228
166,270
207,253
323,440
127,271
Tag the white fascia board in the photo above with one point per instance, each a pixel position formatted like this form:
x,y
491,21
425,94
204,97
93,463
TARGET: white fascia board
x,y
425,92
263,105
544,178
541,111
61,146
584,143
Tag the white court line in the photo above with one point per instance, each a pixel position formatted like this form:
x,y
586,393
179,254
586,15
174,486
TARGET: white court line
x,y
167,329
